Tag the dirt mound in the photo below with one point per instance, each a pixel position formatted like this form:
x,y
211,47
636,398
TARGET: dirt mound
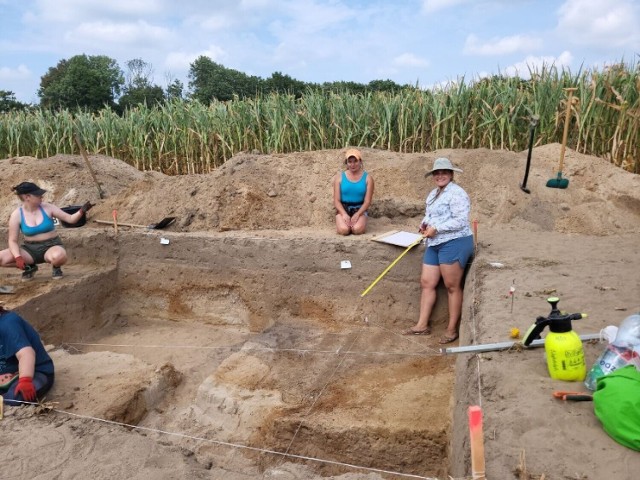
x,y
281,192
65,177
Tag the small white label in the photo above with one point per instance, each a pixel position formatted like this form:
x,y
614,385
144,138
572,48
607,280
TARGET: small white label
x,y
164,241
345,264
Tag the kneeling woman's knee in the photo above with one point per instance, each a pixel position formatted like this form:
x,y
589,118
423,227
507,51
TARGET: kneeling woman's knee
x,y
58,256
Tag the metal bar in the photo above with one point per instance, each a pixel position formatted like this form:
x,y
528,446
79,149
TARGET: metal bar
x,y
490,347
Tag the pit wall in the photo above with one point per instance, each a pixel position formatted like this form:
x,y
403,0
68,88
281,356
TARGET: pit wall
x,y
251,282
465,391
86,301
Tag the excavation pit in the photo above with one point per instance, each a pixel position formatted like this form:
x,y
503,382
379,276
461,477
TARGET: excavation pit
x,y
277,352
242,338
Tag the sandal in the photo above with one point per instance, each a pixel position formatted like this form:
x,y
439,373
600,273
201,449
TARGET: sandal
x,y
410,331
447,339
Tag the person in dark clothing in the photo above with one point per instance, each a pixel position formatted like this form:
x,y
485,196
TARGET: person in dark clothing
x,y
26,369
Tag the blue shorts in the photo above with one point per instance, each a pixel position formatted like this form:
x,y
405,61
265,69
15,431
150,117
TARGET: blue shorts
x,y
456,250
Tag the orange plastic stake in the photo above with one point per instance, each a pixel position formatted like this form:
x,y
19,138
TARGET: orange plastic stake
x,y
115,221
477,443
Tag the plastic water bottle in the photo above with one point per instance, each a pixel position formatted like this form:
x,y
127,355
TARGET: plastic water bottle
x,y
622,352
629,331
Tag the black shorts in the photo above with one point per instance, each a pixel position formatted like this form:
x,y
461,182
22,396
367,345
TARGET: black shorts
x,y
350,208
38,249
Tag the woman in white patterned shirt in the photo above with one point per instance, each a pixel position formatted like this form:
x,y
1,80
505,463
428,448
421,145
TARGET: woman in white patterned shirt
x,y
449,248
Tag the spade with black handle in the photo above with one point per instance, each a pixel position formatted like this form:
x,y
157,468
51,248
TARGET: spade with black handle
x,y
533,123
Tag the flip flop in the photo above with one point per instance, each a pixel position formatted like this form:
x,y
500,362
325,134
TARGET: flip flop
x,y
426,331
446,339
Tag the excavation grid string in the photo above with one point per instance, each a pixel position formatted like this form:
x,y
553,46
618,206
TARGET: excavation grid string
x,y
232,445
426,352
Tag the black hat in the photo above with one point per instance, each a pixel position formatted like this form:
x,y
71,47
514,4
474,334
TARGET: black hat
x,y
28,188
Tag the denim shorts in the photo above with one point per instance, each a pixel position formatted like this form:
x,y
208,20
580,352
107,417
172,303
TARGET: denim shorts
x,y
38,249
456,250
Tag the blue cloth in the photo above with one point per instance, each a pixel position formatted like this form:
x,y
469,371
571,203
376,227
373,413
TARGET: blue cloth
x,y
15,334
353,193
448,213
456,250
45,226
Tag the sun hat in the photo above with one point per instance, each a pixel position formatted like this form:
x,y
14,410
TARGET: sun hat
x,y
442,163
28,188
352,152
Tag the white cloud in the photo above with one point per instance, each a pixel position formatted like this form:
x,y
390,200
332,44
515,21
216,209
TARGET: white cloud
x,y
535,64
69,11
181,61
216,22
431,6
611,23
105,33
410,60
19,73
501,46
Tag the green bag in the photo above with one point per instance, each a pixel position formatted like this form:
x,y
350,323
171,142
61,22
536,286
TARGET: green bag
x,y
616,403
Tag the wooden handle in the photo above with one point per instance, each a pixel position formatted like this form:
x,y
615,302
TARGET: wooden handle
x,y
105,222
86,160
565,134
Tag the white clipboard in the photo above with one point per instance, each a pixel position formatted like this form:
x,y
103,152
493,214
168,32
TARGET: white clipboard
x,y
398,238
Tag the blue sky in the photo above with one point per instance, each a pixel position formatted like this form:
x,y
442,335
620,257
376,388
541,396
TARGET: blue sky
x,y
408,41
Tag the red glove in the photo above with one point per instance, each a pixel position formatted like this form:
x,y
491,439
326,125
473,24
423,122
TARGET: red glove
x,y
20,262
26,388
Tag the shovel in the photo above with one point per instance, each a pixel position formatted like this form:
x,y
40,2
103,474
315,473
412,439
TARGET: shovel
x,y
560,182
165,222
532,127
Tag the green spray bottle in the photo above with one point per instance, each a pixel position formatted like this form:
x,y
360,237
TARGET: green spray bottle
x,y
563,347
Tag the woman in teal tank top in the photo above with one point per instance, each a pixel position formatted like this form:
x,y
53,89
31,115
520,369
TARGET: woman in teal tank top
x,y
34,218
352,194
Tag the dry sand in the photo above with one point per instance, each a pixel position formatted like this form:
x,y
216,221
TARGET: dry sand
x,y
244,331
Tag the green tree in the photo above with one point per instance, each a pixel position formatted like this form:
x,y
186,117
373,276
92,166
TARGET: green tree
x,y
175,90
385,86
281,83
211,81
138,89
349,87
8,102
90,82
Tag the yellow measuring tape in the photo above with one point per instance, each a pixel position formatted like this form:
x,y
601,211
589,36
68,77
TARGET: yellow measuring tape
x,y
390,267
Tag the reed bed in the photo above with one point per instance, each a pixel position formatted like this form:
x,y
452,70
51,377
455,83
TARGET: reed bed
x,y
187,137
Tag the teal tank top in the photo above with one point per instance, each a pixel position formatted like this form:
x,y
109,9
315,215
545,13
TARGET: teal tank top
x,y
45,226
353,193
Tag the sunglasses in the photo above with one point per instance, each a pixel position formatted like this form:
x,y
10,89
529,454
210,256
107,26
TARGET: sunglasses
x,y
441,172
352,160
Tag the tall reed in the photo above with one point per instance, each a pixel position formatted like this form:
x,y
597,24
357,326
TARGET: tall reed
x,y
188,137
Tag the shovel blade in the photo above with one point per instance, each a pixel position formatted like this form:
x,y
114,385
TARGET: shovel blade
x,y
165,222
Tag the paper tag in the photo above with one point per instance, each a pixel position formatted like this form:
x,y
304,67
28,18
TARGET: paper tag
x,y
164,241
345,264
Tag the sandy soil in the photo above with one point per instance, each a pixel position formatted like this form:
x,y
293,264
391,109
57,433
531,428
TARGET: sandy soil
x,y
244,332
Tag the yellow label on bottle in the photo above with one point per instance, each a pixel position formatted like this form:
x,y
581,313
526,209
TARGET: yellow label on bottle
x,y
565,356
